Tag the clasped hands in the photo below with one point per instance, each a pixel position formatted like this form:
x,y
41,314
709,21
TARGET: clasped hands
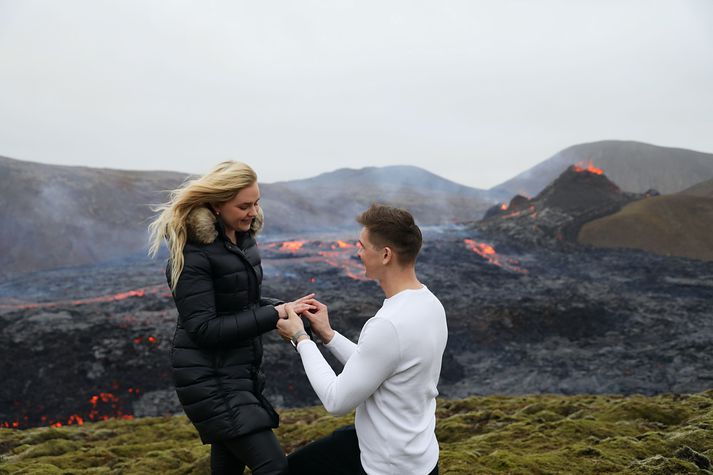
x,y
315,311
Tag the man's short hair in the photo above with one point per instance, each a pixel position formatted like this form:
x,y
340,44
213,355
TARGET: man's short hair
x,y
395,228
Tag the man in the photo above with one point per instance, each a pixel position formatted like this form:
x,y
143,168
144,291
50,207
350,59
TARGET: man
x,y
390,375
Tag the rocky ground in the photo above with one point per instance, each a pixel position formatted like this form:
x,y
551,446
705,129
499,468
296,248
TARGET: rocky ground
x,y
92,343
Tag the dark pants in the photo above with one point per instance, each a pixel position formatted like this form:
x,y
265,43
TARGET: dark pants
x,y
260,451
336,454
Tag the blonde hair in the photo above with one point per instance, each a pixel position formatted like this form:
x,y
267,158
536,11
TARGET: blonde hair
x,y
219,185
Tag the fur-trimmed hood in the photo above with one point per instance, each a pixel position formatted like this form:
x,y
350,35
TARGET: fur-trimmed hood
x,y
201,225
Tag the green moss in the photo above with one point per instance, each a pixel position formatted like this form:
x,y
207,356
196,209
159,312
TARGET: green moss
x,y
699,439
43,434
50,447
35,469
543,434
639,408
18,449
660,465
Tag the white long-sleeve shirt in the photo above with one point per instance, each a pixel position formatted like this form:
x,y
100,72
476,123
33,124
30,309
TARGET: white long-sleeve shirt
x,y
391,378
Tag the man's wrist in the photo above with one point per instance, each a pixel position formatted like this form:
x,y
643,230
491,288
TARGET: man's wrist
x,y
327,337
298,337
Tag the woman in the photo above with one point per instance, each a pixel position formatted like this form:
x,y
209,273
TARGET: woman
x,y
215,274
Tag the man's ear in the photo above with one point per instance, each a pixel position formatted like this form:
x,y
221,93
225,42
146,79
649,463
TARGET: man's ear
x,y
386,255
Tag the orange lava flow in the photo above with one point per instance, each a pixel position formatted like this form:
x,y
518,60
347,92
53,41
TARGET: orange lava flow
x,y
102,406
589,167
338,254
480,248
292,246
110,400
343,261
487,252
137,293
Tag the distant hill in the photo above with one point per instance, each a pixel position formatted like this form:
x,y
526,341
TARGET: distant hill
x,y
332,200
676,225
55,216
701,189
636,167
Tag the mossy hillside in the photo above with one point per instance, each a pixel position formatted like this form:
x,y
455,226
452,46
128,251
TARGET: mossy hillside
x,y
544,434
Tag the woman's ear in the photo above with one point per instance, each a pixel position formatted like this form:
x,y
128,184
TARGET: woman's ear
x,y
214,208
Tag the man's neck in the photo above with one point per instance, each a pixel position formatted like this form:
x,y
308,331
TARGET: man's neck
x,y
398,280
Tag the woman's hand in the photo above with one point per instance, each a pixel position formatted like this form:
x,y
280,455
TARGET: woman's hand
x,y
288,327
300,305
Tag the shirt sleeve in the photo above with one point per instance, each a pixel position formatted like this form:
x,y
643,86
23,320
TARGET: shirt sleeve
x,y
374,359
341,347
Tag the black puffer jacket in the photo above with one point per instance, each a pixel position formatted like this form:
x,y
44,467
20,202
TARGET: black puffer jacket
x,y
217,347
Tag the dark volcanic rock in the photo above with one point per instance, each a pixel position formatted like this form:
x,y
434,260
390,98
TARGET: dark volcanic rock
x,y
517,203
587,321
524,320
577,190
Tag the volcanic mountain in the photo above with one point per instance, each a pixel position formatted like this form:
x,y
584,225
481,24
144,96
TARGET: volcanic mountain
x,y
331,201
557,213
670,225
634,166
56,216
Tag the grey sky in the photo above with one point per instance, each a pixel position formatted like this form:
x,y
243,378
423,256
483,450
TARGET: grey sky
x,y
476,91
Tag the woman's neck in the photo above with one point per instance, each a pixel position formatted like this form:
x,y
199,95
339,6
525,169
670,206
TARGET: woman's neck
x,y
230,234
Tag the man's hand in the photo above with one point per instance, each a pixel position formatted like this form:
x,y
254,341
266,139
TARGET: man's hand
x,y
287,327
300,305
319,320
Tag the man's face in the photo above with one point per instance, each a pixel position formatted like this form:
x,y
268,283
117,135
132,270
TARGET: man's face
x,y
370,254
239,212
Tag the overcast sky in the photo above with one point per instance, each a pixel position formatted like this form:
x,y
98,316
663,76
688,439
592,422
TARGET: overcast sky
x,y
475,91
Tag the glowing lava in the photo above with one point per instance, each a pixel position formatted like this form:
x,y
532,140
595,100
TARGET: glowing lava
x,y
481,248
339,254
137,293
589,167
487,252
340,260
102,406
106,402
292,246
151,340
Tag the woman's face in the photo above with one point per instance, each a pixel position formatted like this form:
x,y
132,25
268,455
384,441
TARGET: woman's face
x,y
239,212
